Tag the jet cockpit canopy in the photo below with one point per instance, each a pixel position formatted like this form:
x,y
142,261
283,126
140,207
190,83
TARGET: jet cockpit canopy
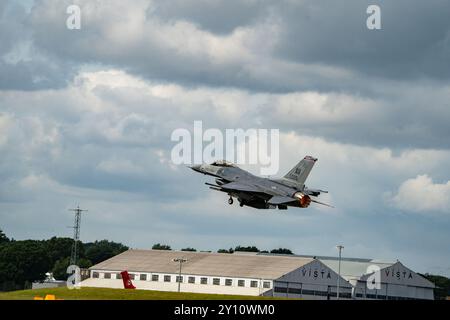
x,y
222,163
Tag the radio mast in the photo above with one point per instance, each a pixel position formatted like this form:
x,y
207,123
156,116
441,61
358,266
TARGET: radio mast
x,y
76,235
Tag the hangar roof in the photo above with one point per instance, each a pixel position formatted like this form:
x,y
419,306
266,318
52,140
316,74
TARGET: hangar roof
x,y
356,269
350,267
203,263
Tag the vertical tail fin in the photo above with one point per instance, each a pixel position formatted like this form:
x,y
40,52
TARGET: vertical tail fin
x,y
127,284
301,171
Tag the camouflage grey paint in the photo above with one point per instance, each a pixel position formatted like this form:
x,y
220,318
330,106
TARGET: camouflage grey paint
x,y
263,193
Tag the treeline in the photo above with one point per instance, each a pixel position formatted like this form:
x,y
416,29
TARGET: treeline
x,y
22,262
442,290
160,246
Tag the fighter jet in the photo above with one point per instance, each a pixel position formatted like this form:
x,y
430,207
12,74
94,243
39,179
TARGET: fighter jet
x,y
263,193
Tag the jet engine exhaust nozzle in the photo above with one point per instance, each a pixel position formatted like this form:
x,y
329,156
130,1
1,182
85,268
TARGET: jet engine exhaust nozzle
x,y
304,199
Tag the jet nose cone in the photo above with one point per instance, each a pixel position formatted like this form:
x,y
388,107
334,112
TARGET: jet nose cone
x,y
196,168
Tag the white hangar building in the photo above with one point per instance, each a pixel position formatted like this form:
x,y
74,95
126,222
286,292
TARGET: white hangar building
x,y
396,282
291,276
221,273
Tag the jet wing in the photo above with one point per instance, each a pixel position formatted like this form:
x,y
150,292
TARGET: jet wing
x,y
280,200
237,186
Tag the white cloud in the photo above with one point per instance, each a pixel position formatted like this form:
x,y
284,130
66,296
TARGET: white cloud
x,y
5,123
327,108
121,167
111,109
421,194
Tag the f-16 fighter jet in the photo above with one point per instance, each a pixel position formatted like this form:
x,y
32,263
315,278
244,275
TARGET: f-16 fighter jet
x,y
263,193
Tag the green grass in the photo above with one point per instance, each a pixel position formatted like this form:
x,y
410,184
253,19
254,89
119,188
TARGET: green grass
x,y
118,294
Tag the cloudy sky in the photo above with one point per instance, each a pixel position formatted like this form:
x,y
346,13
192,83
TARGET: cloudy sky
x,y
86,117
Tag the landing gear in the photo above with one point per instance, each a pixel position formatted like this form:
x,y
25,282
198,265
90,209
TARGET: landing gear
x,y
230,201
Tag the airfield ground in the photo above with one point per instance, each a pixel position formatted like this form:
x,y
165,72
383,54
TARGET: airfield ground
x,y
118,294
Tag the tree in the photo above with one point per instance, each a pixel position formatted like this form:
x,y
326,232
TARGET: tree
x,y
225,250
102,250
247,249
442,284
3,237
60,268
23,261
59,248
281,251
159,246
189,249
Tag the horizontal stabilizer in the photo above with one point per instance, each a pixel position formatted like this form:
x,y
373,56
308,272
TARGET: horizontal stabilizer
x,y
313,192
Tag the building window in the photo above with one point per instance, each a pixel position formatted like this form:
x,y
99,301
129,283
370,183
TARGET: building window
x,y
216,281
143,277
167,278
228,282
191,279
308,292
131,276
155,277
204,280
280,289
94,274
295,290
118,276
254,284
266,284
179,279
241,283
107,275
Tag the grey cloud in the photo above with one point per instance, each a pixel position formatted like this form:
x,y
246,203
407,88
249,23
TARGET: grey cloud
x,y
22,65
292,46
217,16
151,50
413,42
33,75
314,34
411,117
